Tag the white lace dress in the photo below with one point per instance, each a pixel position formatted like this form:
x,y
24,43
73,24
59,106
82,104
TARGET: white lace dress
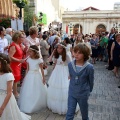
x,y
11,111
33,93
57,92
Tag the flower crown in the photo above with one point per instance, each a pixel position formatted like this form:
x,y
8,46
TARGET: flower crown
x,y
34,50
61,45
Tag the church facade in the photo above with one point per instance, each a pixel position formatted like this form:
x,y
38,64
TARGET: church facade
x,y
90,20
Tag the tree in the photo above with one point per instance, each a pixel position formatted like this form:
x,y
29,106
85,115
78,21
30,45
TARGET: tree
x,y
21,4
28,17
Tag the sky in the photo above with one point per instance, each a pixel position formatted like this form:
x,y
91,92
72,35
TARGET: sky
x,y
99,4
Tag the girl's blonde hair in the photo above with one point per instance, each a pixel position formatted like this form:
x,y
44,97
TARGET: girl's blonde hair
x,y
84,49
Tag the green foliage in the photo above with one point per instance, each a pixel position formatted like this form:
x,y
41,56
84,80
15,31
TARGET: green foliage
x,y
28,16
5,22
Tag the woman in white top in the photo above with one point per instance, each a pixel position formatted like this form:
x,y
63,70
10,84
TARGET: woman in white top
x,y
32,38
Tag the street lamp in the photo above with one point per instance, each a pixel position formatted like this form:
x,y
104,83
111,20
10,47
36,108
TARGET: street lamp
x,y
71,27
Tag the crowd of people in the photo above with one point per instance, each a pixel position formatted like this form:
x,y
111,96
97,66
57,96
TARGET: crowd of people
x,y
24,59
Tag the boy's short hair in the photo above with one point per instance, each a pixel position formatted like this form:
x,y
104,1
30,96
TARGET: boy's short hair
x,y
84,49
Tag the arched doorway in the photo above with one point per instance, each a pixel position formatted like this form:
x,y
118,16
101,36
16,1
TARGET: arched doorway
x,y
100,28
76,29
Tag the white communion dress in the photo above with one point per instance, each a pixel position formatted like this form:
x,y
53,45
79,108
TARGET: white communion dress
x,y
11,111
33,93
57,92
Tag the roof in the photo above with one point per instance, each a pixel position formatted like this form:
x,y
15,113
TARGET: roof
x,y
90,8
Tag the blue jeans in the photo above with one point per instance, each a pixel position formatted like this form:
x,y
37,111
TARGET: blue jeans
x,y
83,104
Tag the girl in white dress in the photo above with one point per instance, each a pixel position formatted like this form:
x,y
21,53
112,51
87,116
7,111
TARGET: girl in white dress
x,y
8,106
57,93
33,94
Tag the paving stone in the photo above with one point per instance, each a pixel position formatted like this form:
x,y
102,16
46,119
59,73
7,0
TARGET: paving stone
x,y
101,109
93,108
104,102
116,111
105,116
97,116
113,117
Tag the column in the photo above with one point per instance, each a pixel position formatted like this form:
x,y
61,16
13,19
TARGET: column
x,y
64,26
84,26
108,27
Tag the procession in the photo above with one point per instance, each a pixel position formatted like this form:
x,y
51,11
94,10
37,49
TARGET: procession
x,y
62,71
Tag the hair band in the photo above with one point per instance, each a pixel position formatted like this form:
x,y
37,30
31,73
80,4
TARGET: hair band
x,y
34,50
61,45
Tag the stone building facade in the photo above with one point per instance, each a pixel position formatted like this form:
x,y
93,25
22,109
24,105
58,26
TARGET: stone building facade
x,y
90,20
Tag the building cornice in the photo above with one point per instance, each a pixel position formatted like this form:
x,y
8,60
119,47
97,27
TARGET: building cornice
x,y
91,15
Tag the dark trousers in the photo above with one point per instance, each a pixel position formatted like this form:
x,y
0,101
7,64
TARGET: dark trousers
x,y
111,66
50,52
83,104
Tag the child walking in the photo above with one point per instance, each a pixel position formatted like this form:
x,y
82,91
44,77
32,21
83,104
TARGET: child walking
x,y
8,106
57,93
81,81
33,94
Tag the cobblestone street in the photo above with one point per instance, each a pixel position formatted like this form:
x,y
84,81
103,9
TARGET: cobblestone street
x,y
104,102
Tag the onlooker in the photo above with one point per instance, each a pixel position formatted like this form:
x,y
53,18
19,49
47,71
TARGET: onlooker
x,y
94,46
78,40
32,38
56,40
68,47
87,42
44,49
3,41
115,54
51,40
8,35
111,39
16,56
72,40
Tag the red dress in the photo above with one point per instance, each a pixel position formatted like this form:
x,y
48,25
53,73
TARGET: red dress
x,y
16,68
